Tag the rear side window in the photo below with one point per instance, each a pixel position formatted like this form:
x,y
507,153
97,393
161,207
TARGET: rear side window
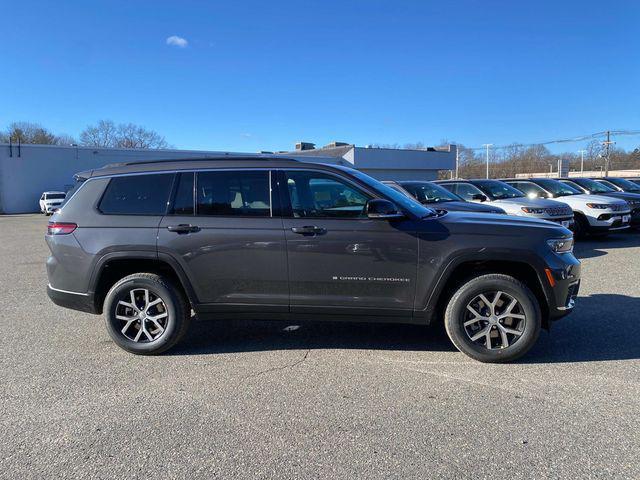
x,y
137,195
233,193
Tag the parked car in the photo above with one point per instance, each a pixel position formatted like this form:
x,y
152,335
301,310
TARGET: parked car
x,y
51,201
147,243
591,213
512,201
635,180
619,184
437,197
591,187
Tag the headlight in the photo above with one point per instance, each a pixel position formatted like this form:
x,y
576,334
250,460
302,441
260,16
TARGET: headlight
x,y
536,211
599,206
561,245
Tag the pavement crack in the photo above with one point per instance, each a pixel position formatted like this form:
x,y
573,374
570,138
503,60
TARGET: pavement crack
x,y
283,367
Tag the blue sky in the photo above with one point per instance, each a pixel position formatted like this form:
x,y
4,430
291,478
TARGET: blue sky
x,y
262,75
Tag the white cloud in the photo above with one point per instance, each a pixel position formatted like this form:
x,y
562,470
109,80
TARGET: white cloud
x,y
176,41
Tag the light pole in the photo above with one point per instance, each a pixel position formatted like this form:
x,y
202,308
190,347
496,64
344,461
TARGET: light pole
x,y
581,152
487,145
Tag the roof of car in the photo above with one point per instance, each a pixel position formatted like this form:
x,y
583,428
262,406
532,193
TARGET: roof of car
x,y
199,163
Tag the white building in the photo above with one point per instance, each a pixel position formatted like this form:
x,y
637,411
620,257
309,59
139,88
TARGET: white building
x,y
28,170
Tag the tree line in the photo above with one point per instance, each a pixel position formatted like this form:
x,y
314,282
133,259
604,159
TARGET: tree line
x,y
105,133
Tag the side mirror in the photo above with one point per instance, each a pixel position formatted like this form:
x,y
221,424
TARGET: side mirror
x,y
379,208
480,197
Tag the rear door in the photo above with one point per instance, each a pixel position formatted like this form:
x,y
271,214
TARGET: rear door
x,y
222,230
339,260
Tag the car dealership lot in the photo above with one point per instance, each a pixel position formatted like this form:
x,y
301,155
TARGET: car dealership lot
x,y
256,399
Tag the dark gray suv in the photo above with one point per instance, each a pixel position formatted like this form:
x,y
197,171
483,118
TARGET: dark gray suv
x,y
152,245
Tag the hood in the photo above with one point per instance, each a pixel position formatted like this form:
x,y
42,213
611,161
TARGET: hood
x,y
465,207
529,202
503,224
585,198
629,197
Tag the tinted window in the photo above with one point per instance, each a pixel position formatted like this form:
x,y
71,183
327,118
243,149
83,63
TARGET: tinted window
x,y
237,193
624,184
55,196
314,194
529,188
497,190
592,186
559,189
183,201
137,195
464,190
427,192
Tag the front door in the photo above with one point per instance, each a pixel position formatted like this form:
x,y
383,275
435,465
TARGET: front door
x,y
227,241
339,260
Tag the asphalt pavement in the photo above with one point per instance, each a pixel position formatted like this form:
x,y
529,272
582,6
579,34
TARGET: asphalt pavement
x,y
270,400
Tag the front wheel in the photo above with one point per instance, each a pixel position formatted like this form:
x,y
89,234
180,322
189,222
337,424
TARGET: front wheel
x,y
146,314
493,318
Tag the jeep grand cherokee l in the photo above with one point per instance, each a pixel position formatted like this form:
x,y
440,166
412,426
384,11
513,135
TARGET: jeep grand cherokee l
x,y
148,243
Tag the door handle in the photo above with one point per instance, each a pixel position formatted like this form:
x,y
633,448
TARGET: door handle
x,y
183,228
309,230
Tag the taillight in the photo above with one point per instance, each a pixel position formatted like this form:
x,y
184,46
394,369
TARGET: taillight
x,y
59,228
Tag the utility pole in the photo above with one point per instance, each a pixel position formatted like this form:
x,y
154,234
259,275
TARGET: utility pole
x,y
457,160
606,153
487,145
581,152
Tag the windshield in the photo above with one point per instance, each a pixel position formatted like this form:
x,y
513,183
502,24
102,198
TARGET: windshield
x,y
624,184
427,192
592,185
413,206
558,189
55,196
497,190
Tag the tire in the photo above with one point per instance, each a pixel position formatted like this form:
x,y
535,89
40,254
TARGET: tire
x,y
165,321
524,330
581,226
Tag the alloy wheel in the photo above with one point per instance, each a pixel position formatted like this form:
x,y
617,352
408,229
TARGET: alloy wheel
x,y
144,316
496,323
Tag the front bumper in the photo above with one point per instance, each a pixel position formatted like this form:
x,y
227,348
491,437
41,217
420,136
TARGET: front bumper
x,y
610,221
565,276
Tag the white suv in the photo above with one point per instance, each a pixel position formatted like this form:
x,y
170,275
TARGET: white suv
x,y
593,213
512,201
50,201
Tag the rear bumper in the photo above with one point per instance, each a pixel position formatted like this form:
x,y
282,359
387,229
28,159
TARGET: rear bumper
x,y
73,300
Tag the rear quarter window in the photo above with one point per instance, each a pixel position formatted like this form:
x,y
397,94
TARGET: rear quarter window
x,y
137,195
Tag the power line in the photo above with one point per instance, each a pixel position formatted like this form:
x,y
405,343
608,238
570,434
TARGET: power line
x,y
581,138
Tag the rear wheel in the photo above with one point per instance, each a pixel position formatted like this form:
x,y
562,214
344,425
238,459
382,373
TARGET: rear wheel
x,y
146,314
493,318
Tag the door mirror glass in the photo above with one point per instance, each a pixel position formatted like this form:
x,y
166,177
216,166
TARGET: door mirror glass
x,y
379,208
480,197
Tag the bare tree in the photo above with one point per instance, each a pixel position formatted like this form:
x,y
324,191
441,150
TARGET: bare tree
x,y
29,132
125,135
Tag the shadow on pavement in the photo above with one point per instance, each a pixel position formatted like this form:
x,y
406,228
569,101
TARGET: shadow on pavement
x,y
603,327
245,336
595,247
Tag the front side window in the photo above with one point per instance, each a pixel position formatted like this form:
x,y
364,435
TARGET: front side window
x,y
465,190
497,190
233,193
315,194
529,188
137,195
